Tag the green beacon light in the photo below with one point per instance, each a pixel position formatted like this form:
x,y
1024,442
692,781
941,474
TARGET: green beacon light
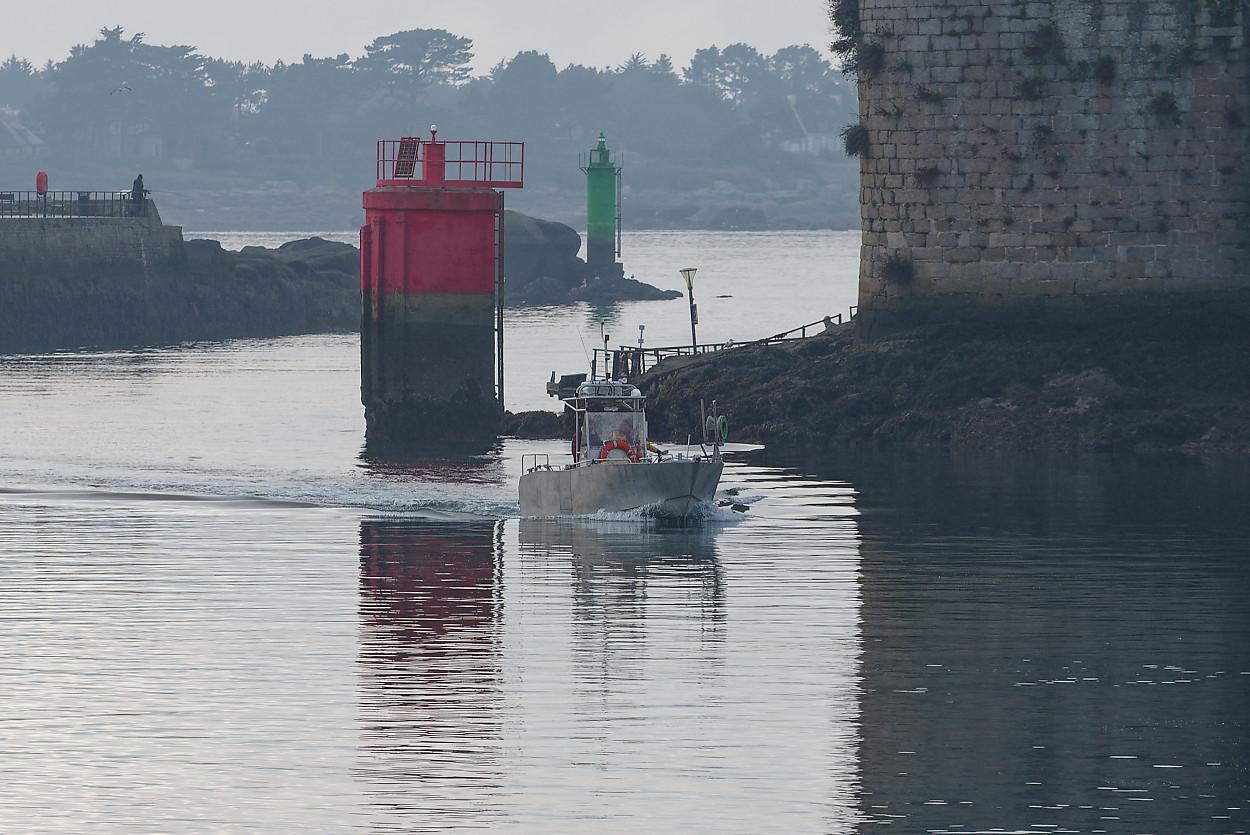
x,y
603,210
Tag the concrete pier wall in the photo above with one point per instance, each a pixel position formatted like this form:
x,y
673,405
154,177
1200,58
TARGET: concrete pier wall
x,y
27,240
99,282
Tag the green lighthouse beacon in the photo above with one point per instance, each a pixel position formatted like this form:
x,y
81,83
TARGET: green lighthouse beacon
x,y
603,211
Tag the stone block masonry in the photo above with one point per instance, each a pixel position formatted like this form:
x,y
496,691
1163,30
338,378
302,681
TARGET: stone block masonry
x,y
1053,155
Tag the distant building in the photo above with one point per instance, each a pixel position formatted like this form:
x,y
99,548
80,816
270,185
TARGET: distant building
x,y
813,144
815,127
16,140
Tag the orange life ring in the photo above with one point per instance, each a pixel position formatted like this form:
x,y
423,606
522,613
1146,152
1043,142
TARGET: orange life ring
x,y
611,445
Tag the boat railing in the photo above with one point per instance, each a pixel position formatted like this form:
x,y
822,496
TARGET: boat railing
x,y
635,361
530,462
649,458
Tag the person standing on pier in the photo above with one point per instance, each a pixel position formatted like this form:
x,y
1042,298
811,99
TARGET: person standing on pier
x,y
138,194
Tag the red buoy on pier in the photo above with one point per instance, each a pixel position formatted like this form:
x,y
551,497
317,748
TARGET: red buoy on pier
x,y
41,183
431,280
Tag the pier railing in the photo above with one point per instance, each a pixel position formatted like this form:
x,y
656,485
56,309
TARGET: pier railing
x,y
631,361
71,204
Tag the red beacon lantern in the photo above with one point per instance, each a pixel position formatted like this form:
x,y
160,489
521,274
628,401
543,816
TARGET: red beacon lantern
x,y
431,276
41,183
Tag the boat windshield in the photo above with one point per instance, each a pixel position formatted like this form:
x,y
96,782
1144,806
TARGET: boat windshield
x,y
605,427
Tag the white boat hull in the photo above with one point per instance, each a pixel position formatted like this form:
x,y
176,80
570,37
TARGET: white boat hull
x,y
667,489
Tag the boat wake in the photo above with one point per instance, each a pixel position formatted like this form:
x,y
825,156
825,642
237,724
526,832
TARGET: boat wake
x,y
217,496
703,514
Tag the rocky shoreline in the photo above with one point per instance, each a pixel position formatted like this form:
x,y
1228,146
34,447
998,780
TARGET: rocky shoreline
x,y
197,292
1180,389
80,283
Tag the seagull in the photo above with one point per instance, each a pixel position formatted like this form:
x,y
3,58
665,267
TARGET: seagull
x,y
124,88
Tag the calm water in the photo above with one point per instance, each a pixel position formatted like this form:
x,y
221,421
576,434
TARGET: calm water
x,y
214,615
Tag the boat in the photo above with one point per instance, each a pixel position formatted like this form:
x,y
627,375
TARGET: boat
x,y
615,467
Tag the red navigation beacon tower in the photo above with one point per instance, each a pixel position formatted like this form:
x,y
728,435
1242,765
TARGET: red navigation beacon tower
x,y
431,281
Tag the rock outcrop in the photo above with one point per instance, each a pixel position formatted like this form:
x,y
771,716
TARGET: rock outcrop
x,y
88,296
1182,388
537,424
543,268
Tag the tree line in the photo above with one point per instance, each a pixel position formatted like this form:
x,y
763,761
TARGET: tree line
x,y
733,112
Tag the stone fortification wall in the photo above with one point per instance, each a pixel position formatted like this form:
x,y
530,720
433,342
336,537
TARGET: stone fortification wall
x,y
31,242
1051,154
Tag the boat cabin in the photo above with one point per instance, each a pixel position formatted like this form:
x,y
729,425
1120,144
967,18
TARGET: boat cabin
x,y
610,423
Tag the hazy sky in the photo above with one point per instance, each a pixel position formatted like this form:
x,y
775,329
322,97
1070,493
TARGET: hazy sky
x,y
593,33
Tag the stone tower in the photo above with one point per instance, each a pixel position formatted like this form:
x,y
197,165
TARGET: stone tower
x,y
1051,157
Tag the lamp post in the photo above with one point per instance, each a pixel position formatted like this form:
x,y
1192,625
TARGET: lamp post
x,y
688,275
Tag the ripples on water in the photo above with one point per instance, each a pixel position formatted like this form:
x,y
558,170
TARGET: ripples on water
x,y
932,649
545,675
232,664
1056,646
215,615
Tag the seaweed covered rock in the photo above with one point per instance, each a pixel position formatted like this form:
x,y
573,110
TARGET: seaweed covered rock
x,y
1184,388
537,424
608,289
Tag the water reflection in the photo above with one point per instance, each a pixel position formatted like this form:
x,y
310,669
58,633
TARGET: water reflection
x,y
429,672
457,483
1053,646
627,578
603,315
423,459
629,692
439,465
610,678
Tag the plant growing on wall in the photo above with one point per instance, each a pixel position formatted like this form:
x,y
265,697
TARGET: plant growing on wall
x,y
844,14
898,269
1045,44
1163,107
1185,55
860,57
1104,69
855,140
1223,13
1032,88
871,59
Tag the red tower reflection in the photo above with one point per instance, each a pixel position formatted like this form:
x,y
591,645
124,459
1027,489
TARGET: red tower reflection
x,y
430,601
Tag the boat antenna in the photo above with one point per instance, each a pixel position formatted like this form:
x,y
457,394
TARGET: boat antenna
x,y
585,352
